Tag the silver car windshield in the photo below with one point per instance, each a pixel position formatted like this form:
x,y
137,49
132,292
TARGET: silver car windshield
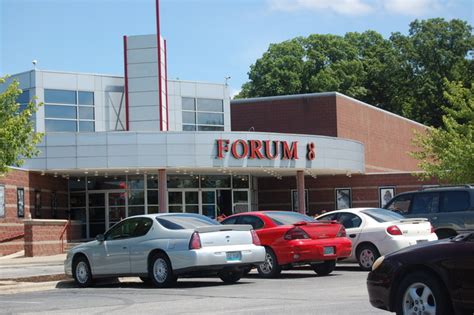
x,y
287,217
382,215
181,222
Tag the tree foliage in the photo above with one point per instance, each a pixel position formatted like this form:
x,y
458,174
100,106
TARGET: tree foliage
x,y
447,153
402,74
18,138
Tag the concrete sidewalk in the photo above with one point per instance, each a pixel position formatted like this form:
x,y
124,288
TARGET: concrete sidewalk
x,y
24,267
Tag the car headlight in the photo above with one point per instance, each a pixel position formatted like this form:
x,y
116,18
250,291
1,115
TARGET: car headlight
x,y
378,262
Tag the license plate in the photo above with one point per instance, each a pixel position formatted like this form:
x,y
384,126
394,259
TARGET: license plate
x,y
328,250
233,256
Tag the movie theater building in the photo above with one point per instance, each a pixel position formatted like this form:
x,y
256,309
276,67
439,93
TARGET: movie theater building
x,y
117,146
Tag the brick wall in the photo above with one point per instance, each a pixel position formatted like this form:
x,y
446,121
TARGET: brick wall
x,y
387,138
43,237
275,194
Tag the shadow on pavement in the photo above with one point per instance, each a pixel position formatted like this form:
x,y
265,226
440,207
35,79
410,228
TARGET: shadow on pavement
x,y
350,268
291,275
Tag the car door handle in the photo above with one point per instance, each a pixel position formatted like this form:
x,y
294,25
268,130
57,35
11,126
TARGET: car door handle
x,y
352,235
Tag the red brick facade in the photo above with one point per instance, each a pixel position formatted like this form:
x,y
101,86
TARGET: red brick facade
x,y
52,203
275,194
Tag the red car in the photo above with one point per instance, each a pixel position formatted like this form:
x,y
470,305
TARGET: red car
x,y
294,239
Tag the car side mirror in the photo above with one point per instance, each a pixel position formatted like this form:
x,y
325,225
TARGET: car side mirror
x,y
100,237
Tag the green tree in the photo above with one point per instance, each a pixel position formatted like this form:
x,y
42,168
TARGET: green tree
x,y
18,138
403,74
447,153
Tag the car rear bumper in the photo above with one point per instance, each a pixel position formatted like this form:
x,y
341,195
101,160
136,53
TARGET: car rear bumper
x,y
394,243
308,251
215,257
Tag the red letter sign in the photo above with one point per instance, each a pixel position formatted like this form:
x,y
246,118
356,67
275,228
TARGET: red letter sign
x,y
290,153
222,146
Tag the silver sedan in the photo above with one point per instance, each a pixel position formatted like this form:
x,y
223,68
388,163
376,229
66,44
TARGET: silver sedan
x,y
160,247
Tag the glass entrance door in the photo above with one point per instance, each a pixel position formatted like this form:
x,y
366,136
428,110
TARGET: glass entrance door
x,y
97,217
208,198
116,207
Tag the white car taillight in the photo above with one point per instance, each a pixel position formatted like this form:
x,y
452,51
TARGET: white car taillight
x,y
255,239
195,242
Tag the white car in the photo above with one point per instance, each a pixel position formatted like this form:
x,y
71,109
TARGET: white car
x,y
376,232
160,247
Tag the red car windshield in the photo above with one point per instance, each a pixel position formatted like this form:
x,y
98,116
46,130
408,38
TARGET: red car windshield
x,y
288,218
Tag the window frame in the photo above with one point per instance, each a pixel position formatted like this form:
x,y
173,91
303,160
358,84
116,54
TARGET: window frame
x,y
196,125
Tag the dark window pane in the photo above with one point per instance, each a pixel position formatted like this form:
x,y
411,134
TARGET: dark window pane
x,y
192,209
425,203
208,197
77,183
24,97
183,181
56,111
382,215
232,220
175,209
210,119
189,117
188,103
175,198
350,220
191,197
135,211
210,128
86,98
144,225
209,105
86,112
153,209
60,125
102,182
86,126
152,181
136,182
455,201
136,197
215,181
240,181
189,128
255,222
60,96
241,196
77,200
152,197
400,204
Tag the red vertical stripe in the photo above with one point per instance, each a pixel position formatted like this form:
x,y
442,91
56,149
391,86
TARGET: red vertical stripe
x,y
158,44
166,89
127,126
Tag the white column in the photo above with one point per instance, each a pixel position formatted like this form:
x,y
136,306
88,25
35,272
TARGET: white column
x,y
162,191
300,190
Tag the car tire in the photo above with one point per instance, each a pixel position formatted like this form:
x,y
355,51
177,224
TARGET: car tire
x,y
417,283
367,254
325,268
81,271
230,276
160,271
270,268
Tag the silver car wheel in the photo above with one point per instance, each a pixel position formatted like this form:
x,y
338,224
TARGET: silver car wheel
x,y
419,300
82,272
160,270
367,258
267,266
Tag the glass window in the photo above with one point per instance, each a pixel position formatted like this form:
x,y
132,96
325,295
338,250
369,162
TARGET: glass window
x,y
86,112
210,128
209,211
189,118
382,215
400,204
192,209
175,197
109,182
136,182
191,197
77,183
232,220
176,209
86,98
188,103
152,197
77,200
209,105
208,197
57,111
86,126
121,230
60,96
455,201
136,197
241,196
189,128
425,203
329,217
350,220
215,181
184,221
153,209
60,125
240,181
183,181
143,226
152,181
287,217
24,97
136,211
210,119
255,222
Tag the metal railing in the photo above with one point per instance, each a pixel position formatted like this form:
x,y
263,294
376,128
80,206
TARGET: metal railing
x,y
62,235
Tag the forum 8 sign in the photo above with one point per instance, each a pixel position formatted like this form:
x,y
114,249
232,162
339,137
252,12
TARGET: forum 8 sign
x,y
266,149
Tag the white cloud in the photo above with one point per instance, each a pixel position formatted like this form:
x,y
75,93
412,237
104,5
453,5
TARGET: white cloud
x,y
412,7
344,7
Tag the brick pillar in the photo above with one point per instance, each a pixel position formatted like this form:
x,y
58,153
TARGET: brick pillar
x,y
162,191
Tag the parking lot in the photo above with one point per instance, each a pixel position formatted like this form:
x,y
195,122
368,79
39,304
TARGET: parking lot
x,y
296,292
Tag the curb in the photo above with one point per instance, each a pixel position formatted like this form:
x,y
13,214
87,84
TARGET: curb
x,y
21,287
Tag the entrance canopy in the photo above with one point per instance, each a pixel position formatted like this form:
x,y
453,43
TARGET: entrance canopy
x,y
254,153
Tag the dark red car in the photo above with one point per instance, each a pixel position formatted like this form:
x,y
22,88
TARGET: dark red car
x,y
293,239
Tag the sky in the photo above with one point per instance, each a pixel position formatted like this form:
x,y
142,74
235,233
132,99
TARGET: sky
x,y
207,40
